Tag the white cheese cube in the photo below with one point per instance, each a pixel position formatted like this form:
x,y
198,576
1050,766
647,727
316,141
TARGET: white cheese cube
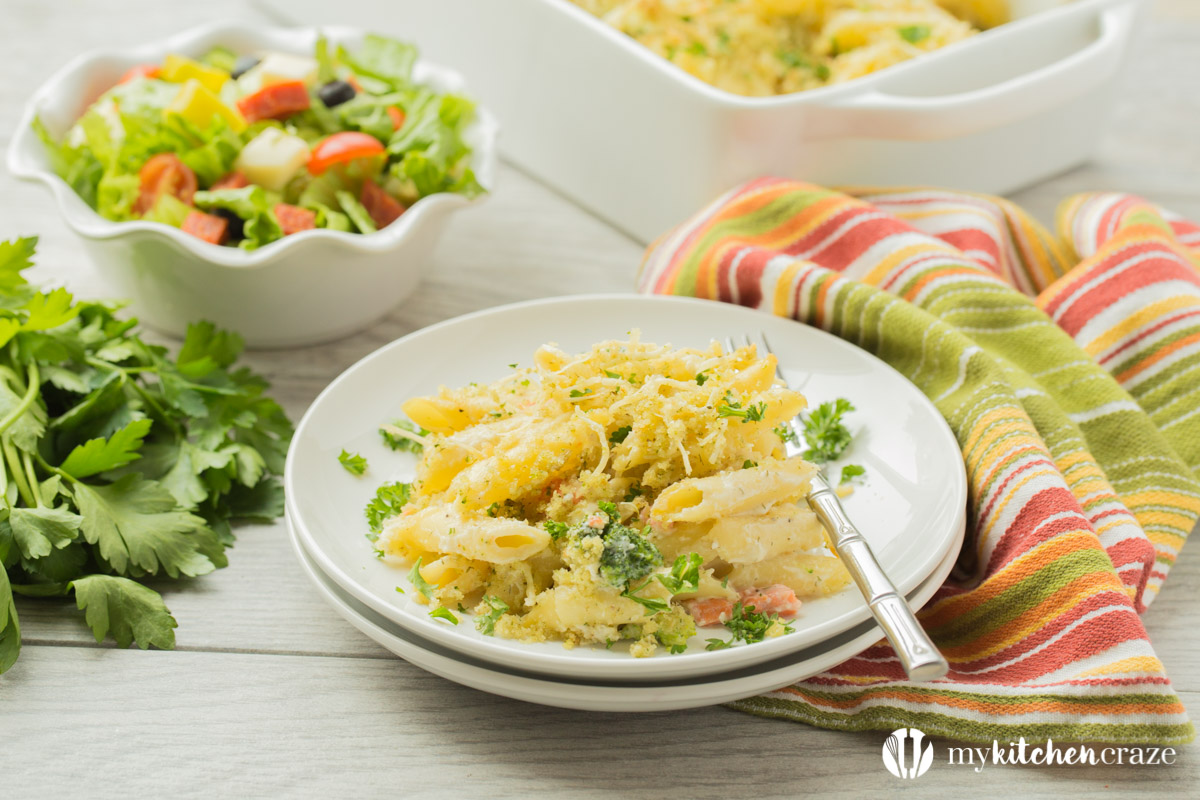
x,y
284,68
272,158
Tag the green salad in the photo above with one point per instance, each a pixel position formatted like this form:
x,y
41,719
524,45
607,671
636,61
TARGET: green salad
x,y
243,149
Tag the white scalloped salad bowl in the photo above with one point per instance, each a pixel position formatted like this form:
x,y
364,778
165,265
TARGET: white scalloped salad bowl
x,y
309,287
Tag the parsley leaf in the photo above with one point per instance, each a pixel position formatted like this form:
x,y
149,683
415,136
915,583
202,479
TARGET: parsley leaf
x,y
486,623
701,378
424,587
389,501
620,434
127,610
729,408
394,436
441,612
580,392
850,472
824,432
786,434
914,33
39,531
684,575
99,455
557,530
140,531
353,462
652,604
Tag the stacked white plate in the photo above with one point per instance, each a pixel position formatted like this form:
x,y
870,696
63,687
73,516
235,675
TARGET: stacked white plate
x,y
911,506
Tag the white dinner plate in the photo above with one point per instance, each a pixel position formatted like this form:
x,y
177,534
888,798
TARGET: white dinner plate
x,y
605,695
911,507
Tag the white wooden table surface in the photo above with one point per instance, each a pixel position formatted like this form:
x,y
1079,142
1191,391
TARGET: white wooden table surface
x,y
270,693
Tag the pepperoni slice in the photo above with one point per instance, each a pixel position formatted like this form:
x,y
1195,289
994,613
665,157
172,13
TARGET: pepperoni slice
x,y
383,208
209,227
294,219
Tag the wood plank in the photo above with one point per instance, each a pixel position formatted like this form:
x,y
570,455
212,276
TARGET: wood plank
x,y
255,725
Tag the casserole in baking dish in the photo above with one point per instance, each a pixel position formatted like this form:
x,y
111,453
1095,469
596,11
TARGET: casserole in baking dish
x,y
643,144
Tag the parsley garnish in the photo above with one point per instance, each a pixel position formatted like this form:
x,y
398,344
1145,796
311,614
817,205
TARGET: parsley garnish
x,y
557,530
389,501
609,508
697,49
850,472
580,392
620,434
398,441
747,464
684,575
486,623
747,625
729,408
612,374
826,436
652,604
701,378
353,462
914,33
633,493
423,586
125,461
786,434
441,612
751,626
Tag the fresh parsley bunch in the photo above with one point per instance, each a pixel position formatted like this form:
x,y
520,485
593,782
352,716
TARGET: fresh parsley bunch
x,y
117,462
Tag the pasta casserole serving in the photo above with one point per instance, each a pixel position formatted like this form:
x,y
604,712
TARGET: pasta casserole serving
x,y
770,47
633,492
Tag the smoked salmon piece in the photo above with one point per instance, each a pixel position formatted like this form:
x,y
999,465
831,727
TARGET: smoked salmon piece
x,y
774,599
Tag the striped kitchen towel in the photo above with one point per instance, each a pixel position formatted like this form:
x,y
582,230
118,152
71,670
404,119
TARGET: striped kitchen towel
x,y
1068,367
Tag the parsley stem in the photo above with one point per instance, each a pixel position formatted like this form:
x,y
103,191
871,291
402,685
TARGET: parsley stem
x,y
162,414
51,468
34,483
31,393
18,475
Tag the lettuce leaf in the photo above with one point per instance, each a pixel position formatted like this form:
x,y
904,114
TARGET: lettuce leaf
x,y
429,150
253,205
386,60
357,213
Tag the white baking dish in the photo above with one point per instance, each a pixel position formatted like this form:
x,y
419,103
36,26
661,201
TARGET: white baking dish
x,y
644,144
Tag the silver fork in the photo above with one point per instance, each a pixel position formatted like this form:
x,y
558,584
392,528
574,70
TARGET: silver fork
x,y
918,655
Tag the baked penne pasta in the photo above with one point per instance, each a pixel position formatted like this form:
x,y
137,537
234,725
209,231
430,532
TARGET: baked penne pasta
x,y
621,494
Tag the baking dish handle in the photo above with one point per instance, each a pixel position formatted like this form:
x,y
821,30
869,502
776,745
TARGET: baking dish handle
x,y
879,113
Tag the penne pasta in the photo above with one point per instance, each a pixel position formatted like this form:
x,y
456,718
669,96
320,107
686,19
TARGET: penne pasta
x,y
588,497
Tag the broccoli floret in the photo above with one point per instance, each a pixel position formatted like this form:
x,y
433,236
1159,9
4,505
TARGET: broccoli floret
x,y
675,627
628,556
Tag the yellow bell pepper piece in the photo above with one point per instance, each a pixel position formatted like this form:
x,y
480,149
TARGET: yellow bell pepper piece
x,y
178,69
199,105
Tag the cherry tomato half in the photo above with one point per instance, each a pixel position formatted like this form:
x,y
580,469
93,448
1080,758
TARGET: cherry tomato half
x,y
397,115
341,148
164,174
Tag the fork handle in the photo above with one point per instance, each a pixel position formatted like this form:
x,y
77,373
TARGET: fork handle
x,y
920,657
